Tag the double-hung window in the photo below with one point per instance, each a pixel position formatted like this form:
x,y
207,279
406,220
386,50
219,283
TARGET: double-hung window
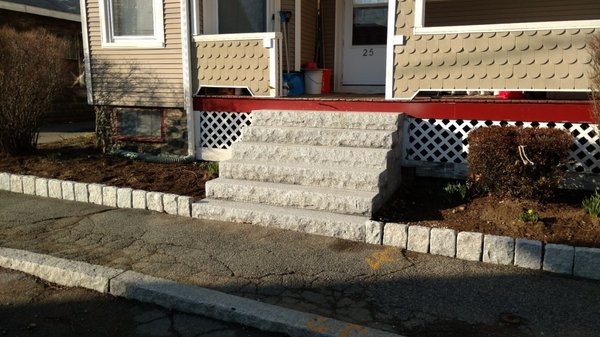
x,y
132,23
238,16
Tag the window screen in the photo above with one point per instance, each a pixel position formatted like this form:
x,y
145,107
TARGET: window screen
x,y
242,16
132,17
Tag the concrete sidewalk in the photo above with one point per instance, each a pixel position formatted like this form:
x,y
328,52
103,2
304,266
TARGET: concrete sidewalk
x,y
384,288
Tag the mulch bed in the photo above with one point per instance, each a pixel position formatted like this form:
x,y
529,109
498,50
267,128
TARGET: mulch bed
x,y
78,160
419,201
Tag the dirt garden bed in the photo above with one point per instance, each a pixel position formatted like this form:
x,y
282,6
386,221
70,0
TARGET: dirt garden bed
x,y
419,201
78,160
422,201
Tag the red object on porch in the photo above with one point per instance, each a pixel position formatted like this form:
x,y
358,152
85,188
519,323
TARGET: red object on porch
x,y
326,81
511,95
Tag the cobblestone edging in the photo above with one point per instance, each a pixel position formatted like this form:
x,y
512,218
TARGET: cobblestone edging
x,y
532,254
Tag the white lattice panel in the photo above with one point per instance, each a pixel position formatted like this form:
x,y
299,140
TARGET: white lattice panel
x,y
219,130
445,141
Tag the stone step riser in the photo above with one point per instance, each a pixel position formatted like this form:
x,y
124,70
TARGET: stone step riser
x,y
305,176
320,223
332,120
322,137
328,156
351,203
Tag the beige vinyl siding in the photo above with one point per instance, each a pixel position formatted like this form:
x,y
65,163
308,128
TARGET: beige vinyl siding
x,y
544,60
309,30
476,12
289,5
137,76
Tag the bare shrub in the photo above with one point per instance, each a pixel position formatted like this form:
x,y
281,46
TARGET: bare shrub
x,y
518,162
32,74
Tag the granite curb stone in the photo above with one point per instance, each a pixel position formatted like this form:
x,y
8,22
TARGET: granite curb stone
x,y
60,271
373,232
418,239
41,187
5,181
81,192
528,254
558,258
68,190
16,183
498,249
109,196
170,203
154,201
395,234
55,188
442,242
469,246
184,206
587,263
138,199
124,197
95,193
29,185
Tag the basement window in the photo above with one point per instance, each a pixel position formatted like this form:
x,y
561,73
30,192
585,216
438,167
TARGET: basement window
x,y
139,124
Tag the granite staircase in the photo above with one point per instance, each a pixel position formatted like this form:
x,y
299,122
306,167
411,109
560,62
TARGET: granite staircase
x,y
318,172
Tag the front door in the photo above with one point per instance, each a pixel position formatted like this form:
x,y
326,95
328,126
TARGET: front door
x,y
364,46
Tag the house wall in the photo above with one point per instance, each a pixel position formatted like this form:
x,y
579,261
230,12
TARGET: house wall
x,y
290,5
309,30
137,76
547,60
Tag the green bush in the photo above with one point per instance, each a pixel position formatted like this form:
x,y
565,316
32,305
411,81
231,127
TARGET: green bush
x,y
591,205
518,162
32,75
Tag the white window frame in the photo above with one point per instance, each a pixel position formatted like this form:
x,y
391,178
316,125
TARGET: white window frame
x,y
109,40
420,28
210,18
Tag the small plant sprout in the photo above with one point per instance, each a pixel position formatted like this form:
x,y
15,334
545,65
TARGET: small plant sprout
x,y
529,215
591,204
456,191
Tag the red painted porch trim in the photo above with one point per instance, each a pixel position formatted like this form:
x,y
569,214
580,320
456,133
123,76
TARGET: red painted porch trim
x,y
514,110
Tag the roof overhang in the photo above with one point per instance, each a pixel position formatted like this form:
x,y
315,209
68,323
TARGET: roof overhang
x,y
11,6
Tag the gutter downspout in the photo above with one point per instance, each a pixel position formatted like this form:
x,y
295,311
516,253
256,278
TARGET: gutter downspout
x,y
187,79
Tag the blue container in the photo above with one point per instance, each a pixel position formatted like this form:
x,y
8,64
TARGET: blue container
x,y
294,82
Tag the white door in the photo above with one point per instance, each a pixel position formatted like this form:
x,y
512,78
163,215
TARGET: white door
x,y
364,46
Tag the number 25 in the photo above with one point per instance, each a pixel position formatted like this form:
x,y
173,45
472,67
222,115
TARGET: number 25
x,y
368,52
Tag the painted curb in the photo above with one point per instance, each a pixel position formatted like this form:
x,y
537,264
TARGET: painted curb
x,y
468,245
184,298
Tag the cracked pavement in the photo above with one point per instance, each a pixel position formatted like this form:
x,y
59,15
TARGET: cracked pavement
x,y
381,287
31,307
